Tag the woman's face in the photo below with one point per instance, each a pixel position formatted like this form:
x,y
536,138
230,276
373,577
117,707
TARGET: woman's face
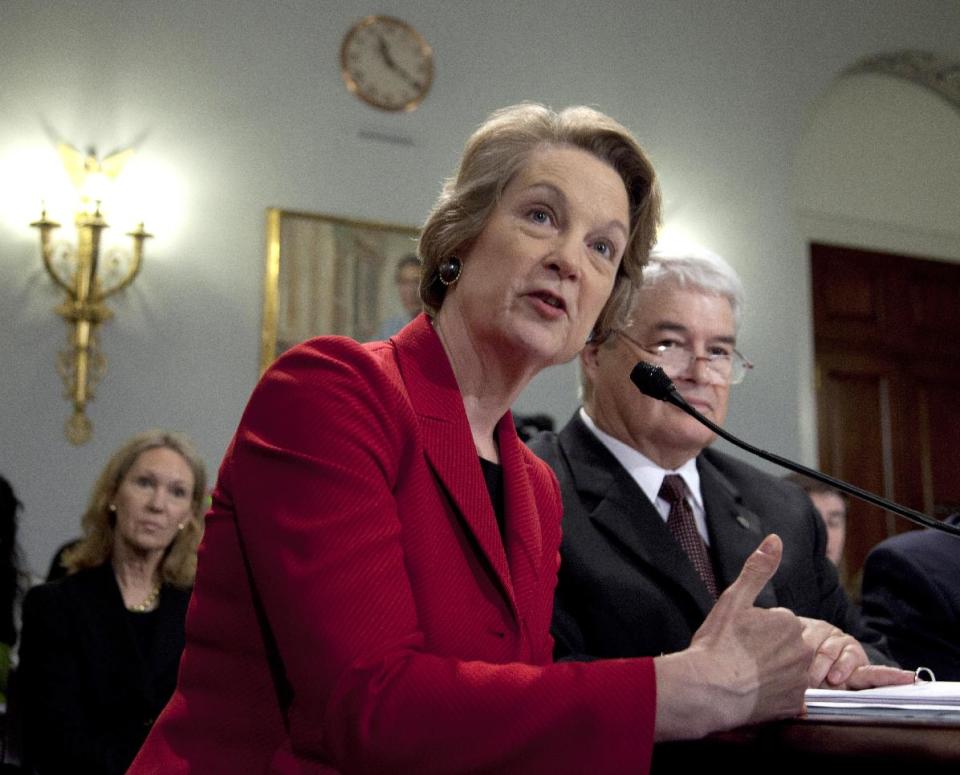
x,y
536,278
153,500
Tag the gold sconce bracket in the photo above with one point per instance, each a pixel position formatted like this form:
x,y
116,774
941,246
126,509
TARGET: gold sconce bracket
x,y
82,364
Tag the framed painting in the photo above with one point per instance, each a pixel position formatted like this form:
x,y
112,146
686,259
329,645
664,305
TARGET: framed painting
x,y
330,275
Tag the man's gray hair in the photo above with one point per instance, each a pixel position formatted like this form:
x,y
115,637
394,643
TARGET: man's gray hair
x,y
694,267
687,267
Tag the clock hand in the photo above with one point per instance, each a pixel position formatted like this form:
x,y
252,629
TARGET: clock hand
x,y
385,53
389,62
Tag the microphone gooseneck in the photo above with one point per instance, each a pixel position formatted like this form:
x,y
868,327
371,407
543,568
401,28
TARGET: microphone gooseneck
x,y
652,381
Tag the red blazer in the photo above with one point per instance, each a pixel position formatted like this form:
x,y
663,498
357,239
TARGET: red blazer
x,y
355,609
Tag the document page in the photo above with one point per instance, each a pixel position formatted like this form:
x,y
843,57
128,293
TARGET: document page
x,y
924,699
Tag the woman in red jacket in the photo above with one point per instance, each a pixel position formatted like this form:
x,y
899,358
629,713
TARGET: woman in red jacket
x,y
376,580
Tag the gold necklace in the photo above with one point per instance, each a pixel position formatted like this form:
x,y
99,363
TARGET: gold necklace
x,y
147,604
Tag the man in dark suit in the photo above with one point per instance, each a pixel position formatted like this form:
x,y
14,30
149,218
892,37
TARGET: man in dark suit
x,y
655,524
911,593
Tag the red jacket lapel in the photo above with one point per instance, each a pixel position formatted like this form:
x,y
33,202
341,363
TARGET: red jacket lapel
x,y
523,538
448,443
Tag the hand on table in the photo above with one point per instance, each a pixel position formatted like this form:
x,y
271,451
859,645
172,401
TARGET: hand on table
x,y
840,662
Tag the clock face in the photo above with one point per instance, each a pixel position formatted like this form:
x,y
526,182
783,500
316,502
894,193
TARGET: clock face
x,y
386,63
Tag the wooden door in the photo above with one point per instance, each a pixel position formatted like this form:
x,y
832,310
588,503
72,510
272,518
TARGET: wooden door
x,y
887,349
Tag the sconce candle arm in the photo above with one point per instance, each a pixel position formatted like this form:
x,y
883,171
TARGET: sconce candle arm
x,y
136,260
46,227
89,226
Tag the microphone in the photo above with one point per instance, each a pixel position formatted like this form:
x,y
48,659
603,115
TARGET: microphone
x,y
653,382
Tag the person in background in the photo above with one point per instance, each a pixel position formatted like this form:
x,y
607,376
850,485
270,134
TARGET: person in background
x,y
911,593
101,646
831,504
529,425
13,580
377,575
407,279
57,569
657,524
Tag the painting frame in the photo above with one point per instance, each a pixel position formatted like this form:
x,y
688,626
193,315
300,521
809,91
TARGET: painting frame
x,y
327,274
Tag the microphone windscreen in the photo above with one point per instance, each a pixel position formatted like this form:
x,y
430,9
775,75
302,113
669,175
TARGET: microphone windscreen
x,y
652,381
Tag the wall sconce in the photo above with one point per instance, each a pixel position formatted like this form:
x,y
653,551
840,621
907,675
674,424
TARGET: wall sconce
x,y
87,280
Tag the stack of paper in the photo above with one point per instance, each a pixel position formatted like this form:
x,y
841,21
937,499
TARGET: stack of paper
x,y
933,700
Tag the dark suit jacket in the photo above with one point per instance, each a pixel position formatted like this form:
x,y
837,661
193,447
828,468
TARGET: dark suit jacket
x,y
355,608
911,593
88,692
626,588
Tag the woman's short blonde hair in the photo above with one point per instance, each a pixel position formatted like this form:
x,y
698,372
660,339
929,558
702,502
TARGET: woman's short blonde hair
x,y
497,151
179,565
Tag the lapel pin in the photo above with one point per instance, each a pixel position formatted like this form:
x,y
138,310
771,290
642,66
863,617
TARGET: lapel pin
x,y
743,521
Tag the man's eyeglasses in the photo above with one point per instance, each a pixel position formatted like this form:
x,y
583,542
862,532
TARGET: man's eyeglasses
x,y
722,367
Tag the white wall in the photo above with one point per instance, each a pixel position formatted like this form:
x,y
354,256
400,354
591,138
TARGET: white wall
x,y
238,106
879,161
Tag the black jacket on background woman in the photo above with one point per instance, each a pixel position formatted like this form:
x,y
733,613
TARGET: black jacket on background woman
x,y
93,676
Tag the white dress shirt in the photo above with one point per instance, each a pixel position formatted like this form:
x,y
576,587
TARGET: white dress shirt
x,y
649,476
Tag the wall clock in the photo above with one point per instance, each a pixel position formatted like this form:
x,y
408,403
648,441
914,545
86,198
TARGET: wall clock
x,y
386,63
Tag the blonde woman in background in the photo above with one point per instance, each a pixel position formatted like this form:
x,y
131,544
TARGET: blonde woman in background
x,y
100,648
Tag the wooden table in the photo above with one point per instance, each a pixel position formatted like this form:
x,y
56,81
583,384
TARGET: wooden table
x,y
819,747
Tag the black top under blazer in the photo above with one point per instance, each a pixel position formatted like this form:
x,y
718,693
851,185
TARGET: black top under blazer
x,y
89,690
626,588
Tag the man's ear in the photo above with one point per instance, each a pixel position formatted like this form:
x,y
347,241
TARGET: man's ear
x,y
589,359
